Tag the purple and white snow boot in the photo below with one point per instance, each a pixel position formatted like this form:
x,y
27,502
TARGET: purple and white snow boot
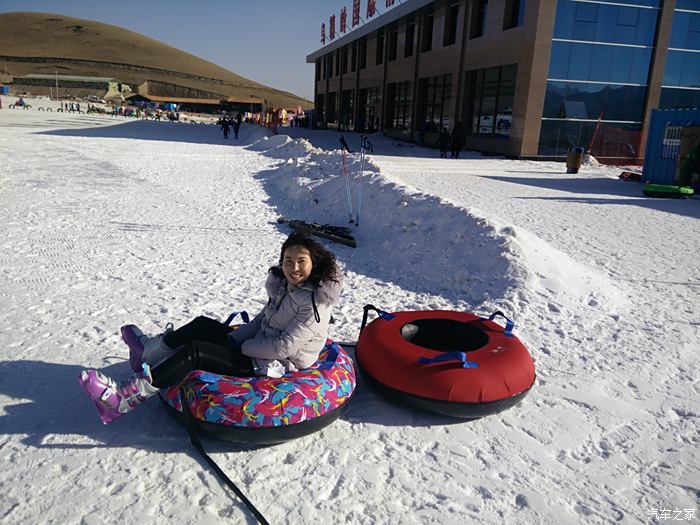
x,y
143,348
132,336
114,400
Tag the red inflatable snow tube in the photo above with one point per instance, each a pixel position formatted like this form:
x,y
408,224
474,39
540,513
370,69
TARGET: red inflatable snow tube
x,y
453,363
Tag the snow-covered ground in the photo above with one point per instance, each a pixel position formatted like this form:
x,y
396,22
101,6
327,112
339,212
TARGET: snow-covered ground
x,y
107,221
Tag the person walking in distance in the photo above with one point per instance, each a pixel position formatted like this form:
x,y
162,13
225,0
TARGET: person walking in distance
x,y
236,128
225,126
444,142
458,139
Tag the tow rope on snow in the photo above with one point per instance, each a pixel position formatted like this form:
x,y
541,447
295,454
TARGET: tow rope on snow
x,y
194,438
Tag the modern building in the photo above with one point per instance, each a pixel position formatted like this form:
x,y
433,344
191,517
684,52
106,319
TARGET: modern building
x,y
525,78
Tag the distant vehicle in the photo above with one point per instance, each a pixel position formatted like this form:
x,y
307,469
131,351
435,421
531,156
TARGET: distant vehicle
x,y
96,99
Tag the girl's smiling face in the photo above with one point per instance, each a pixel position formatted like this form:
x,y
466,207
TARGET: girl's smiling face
x,y
296,264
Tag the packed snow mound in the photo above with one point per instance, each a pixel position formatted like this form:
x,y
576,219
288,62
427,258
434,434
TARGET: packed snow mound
x,y
552,273
250,133
396,220
292,149
498,262
282,146
266,143
531,264
589,160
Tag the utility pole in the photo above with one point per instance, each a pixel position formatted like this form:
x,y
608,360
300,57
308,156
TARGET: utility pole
x,y
56,74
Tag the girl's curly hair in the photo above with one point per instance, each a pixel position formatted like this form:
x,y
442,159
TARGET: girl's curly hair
x,y
324,264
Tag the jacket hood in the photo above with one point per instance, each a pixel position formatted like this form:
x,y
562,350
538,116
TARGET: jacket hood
x,y
274,284
327,292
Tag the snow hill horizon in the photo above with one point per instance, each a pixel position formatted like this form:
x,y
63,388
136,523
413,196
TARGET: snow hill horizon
x,y
108,221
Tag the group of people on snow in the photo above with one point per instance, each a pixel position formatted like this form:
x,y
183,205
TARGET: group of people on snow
x,y
227,123
452,142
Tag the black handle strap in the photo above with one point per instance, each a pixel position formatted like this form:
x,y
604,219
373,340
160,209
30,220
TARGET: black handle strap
x,y
384,315
194,438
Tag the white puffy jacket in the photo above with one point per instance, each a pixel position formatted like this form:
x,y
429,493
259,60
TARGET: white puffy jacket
x,y
293,326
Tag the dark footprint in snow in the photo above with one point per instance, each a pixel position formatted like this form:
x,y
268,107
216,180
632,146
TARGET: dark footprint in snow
x,y
521,502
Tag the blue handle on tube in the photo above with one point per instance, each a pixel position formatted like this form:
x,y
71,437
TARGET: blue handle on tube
x,y
508,330
244,316
449,356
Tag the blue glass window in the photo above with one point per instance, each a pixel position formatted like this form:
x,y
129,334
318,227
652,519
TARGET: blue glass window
x,y
688,4
682,69
559,60
593,101
492,102
580,62
685,33
514,14
478,18
521,12
615,24
586,12
694,24
679,98
628,16
650,3
613,140
598,62
434,109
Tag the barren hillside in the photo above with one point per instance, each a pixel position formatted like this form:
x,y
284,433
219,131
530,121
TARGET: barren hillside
x,y
48,43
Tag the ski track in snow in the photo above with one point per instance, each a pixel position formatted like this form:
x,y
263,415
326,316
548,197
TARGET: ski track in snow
x,y
107,222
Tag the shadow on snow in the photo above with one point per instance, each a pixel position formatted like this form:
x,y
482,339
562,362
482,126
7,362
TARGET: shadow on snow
x,y
162,131
630,193
52,409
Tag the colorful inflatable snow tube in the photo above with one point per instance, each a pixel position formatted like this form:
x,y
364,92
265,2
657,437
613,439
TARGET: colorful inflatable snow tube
x,y
265,410
453,363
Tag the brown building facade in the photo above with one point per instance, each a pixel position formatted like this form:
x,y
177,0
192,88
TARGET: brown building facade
x,y
525,78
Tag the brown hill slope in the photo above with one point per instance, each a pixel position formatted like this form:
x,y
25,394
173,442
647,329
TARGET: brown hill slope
x,y
47,43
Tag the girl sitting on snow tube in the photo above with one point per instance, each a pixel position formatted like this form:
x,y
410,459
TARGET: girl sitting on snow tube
x,y
286,336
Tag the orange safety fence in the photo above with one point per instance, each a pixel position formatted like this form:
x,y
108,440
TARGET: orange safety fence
x,y
616,143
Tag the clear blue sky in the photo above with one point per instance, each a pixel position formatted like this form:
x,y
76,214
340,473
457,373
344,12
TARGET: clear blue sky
x,y
264,40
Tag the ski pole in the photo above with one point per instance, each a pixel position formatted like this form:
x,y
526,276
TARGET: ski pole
x,y
359,181
346,175
366,145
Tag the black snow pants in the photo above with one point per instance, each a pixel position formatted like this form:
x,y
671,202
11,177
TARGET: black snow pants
x,y
203,344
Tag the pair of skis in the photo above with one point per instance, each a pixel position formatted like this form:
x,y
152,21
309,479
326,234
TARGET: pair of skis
x,y
340,234
365,146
